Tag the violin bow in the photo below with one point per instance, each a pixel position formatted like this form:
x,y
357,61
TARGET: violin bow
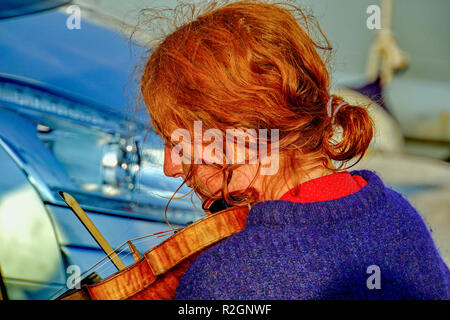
x,y
92,229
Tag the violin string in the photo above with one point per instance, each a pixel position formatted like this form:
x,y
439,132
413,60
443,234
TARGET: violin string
x,y
107,261
125,244
57,293
95,267
105,257
155,234
144,240
135,240
115,251
110,266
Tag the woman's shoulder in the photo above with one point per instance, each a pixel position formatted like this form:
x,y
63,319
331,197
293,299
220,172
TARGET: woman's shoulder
x,y
393,201
246,265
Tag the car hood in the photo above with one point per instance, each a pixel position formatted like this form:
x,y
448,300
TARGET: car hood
x,y
92,62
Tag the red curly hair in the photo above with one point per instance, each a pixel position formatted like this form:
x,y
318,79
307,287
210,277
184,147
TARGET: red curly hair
x,y
252,64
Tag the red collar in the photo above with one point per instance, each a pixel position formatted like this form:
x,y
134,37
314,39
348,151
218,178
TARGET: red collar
x,y
330,187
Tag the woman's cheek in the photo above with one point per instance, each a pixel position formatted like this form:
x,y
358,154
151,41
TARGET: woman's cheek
x,y
209,179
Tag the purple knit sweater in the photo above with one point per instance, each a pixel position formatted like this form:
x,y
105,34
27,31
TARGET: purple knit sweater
x,y
324,250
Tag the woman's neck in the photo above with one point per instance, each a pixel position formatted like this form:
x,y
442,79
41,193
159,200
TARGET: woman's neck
x,y
274,187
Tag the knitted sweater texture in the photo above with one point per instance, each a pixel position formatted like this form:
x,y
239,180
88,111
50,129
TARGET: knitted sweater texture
x,y
371,244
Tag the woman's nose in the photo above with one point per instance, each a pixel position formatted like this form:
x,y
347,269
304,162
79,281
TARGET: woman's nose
x,y
171,169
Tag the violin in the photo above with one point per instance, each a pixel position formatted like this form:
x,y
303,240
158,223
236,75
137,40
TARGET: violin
x,y
156,274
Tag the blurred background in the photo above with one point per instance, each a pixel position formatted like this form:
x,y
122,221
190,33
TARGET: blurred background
x,y
69,121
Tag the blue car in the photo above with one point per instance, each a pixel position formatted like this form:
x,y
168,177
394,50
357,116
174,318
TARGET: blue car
x,y
68,123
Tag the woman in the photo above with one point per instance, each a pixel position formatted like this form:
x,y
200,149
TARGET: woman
x,y
314,231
